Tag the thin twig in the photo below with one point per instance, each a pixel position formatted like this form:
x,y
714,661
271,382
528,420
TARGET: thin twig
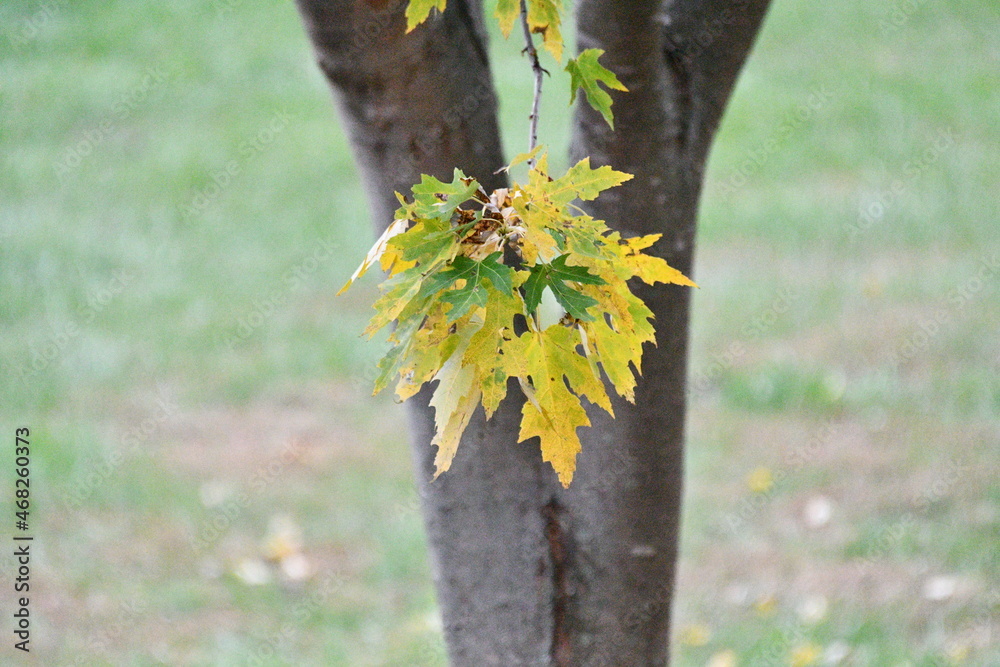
x,y
536,67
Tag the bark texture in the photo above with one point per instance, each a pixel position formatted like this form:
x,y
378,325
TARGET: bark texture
x,y
528,573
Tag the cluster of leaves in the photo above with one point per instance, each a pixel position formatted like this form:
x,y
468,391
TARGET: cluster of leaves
x,y
544,17
467,274
469,271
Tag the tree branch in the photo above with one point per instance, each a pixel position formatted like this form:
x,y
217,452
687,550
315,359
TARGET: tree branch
x,y
536,67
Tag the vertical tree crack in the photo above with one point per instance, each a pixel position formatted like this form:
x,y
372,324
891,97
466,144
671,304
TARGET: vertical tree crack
x,y
558,544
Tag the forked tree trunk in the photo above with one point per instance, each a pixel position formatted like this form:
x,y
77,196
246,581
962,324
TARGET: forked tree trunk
x,y
528,573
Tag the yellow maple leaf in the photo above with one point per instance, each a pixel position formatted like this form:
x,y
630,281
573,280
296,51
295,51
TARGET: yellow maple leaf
x,y
555,425
550,358
454,400
615,353
484,352
544,17
418,11
648,268
432,343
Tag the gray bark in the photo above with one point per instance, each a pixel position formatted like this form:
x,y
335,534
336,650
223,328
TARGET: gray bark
x,y
528,573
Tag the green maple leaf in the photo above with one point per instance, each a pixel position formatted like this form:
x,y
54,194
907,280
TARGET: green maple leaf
x,y
434,198
582,182
463,299
575,302
426,242
534,286
473,292
555,276
579,274
585,72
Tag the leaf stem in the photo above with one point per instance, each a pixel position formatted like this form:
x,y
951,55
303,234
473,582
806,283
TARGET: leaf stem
x,y
536,67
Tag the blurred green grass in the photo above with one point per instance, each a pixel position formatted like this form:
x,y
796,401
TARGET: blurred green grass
x,y
135,293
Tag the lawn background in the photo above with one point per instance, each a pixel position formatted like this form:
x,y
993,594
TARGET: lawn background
x,y
177,351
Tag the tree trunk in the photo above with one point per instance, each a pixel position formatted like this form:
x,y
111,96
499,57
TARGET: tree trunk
x,y
528,573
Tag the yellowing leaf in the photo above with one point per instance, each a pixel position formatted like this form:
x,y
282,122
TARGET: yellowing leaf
x,y
508,12
649,268
587,73
524,157
561,345
550,359
454,401
418,11
399,291
485,352
538,243
556,428
458,306
615,352
544,17
397,227
433,342
584,183
449,433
